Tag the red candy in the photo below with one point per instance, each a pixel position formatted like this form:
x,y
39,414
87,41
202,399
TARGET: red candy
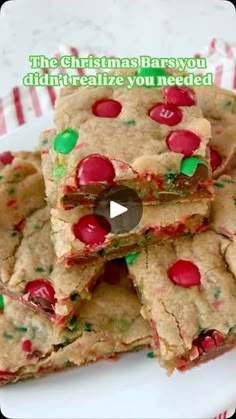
x,y
207,343
6,157
42,289
218,337
91,229
166,113
180,96
94,169
106,108
209,340
184,273
215,159
183,141
27,345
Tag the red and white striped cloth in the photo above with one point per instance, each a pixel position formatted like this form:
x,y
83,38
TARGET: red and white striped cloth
x,y
22,103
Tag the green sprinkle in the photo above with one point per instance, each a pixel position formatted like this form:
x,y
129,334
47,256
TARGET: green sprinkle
x,y
40,269
150,355
88,327
68,364
170,177
8,336
74,297
37,227
65,141
231,329
228,103
131,258
50,268
59,172
21,329
13,233
129,122
17,175
72,320
201,330
73,324
1,177
189,165
219,185
100,252
11,191
227,180
234,199
152,72
75,328
187,234
217,293
1,302
45,142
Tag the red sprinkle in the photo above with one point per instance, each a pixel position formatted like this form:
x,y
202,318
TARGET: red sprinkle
x,y
6,157
166,113
94,169
184,273
180,96
91,229
215,159
106,108
27,346
11,203
20,226
42,289
183,141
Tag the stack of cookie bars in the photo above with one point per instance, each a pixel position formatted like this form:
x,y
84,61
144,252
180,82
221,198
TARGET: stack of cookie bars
x,y
74,292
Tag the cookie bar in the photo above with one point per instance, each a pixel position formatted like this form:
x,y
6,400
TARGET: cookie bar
x,y
188,295
219,107
29,272
79,238
137,138
108,324
21,187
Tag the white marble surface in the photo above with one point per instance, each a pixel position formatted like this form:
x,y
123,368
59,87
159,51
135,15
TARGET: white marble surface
x,y
122,27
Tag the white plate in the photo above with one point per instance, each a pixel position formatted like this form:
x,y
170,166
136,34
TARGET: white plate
x,y
133,387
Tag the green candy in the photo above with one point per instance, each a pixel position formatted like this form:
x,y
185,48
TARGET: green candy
x,y
131,258
65,141
59,172
189,165
152,72
1,302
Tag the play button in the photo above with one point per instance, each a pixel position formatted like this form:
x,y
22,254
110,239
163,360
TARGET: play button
x,y
121,207
116,209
